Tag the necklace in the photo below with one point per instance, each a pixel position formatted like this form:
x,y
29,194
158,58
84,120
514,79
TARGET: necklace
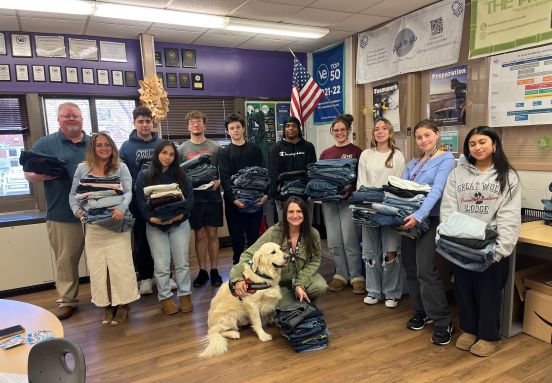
x,y
423,163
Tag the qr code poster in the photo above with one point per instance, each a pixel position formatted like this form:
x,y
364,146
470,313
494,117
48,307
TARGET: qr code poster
x,y
447,95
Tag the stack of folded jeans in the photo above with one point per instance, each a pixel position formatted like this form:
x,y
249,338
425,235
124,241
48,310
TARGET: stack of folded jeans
x,y
390,205
164,200
200,171
466,242
303,326
292,184
331,180
547,216
249,185
43,164
97,196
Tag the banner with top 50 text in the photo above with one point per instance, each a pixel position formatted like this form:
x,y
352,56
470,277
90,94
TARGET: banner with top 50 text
x,y
328,74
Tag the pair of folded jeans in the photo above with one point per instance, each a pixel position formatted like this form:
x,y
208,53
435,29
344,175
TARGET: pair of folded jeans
x,y
42,164
466,258
367,195
461,225
202,159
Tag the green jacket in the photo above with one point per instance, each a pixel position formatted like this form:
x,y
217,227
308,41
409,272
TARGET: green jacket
x,y
298,273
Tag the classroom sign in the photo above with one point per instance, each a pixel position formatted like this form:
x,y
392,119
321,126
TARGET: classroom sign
x,y
328,74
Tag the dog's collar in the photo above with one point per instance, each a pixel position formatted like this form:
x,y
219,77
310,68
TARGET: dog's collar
x,y
250,263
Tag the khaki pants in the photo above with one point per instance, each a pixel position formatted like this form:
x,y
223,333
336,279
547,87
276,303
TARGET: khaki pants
x,y
67,241
315,290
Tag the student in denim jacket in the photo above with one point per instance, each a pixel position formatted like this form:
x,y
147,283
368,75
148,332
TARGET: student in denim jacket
x,y
484,186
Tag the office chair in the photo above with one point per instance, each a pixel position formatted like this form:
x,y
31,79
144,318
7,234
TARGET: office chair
x,y
47,362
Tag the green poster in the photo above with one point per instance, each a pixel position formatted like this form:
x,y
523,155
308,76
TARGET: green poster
x,y
449,141
505,25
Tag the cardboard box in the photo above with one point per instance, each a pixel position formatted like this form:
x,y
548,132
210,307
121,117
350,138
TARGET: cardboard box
x,y
521,275
537,319
542,283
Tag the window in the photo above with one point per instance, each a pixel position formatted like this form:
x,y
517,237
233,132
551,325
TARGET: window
x,y
51,113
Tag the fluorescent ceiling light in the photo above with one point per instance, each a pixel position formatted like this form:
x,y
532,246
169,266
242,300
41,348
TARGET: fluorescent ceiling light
x,y
73,7
278,29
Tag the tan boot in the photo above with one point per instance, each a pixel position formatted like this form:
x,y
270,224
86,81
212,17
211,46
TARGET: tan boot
x,y
186,303
337,283
465,341
359,285
485,347
168,306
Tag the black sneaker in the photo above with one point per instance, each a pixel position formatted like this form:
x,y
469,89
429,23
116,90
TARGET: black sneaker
x,y
216,280
201,278
442,334
418,321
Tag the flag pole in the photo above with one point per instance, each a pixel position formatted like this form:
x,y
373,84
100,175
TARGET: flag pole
x,y
325,95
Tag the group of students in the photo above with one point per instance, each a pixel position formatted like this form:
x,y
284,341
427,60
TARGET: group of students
x,y
483,185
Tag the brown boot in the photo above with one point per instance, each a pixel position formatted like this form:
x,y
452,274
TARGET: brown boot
x,y
465,341
359,285
109,312
186,303
64,312
122,315
168,306
485,347
337,283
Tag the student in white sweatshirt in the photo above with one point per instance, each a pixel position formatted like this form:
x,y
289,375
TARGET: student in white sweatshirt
x,y
485,186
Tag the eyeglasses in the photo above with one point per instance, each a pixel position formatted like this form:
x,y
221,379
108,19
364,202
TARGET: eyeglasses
x,y
337,131
195,122
70,116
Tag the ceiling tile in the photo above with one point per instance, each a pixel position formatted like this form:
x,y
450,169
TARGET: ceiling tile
x,y
212,7
316,17
114,30
341,5
7,12
221,40
173,36
71,27
359,22
264,10
304,3
299,47
396,8
261,43
50,15
108,20
9,23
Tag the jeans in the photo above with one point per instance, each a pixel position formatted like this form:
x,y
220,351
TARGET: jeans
x,y
383,279
242,227
392,198
366,194
463,226
172,244
323,190
204,158
202,175
385,209
336,171
143,262
469,259
343,243
103,202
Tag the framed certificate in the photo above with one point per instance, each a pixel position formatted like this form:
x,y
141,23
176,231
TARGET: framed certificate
x,y
158,59
50,46
103,76
5,72
3,44
184,79
130,78
21,72
188,58
55,73
197,81
172,80
117,78
160,77
80,49
172,57
71,75
21,45
88,76
110,51
39,73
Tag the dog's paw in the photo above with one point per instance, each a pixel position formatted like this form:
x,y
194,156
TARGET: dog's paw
x,y
265,337
231,334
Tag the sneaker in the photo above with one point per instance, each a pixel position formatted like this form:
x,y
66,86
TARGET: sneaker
x,y
202,278
418,321
442,334
391,303
172,284
146,287
370,300
216,279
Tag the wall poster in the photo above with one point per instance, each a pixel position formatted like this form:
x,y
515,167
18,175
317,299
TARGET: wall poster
x,y
386,104
447,95
328,72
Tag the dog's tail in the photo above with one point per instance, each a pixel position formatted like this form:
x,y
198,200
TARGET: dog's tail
x,y
217,343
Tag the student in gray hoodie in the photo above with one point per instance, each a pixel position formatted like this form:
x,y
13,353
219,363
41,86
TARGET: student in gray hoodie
x,y
485,186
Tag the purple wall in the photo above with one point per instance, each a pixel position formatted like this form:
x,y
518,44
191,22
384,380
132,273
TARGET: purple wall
x,y
226,71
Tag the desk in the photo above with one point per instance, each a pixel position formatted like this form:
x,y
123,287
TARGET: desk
x,y
535,240
32,318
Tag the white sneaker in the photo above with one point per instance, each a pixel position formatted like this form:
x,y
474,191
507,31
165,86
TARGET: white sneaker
x,y
391,303
173,284
370,300
146,287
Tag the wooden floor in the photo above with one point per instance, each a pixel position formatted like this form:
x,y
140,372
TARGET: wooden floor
x,y
367,344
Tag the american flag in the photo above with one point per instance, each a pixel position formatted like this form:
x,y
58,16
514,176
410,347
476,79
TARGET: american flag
x,y
305,93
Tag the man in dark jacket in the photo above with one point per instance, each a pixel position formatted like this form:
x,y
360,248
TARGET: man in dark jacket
x,y
136,152
290,154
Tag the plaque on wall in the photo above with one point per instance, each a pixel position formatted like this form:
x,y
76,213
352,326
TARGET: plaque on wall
x,y
71,75
188,58
172,80
50,46
103,77
22,72
55,73
88,76
110,51
197,81
184,80
130,78
158,59
80,49
2,44
5,72
21,45
172,57
160,77
39,73
117,78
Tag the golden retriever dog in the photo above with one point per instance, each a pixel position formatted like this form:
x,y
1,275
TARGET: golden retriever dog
x,y
228,311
